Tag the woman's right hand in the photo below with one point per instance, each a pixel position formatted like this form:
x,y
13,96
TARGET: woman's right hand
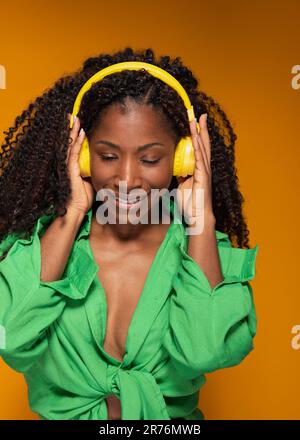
x,y
82,191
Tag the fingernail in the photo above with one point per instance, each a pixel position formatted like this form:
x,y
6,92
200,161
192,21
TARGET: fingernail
x,y
74,119
81,132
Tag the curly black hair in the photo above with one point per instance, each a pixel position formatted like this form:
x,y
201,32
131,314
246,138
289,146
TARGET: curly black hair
x,y
34,179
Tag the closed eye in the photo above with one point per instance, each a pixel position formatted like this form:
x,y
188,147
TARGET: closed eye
x,y
108,157
150,162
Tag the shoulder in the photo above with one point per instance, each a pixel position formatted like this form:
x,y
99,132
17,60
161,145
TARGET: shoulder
x,y
15,240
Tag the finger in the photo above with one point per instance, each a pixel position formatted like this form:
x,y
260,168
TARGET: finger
x,y
72,118
203,151
69,140
76,147
202,147
198,148
205,136
75,140
72,134
69,150
73,160
74,130
194,137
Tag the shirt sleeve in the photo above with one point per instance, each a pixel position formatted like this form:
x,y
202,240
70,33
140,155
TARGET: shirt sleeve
x,y
28,306
212,328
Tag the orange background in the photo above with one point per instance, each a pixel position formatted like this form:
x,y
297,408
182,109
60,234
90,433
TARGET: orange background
x,y
243,54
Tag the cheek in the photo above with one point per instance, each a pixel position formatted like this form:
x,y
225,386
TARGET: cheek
x,y
166,172
100,171
100,177
161,177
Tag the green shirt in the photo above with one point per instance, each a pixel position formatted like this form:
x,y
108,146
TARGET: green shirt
x,y
180,330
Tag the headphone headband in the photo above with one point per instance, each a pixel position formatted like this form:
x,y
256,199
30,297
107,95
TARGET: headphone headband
x,y
162,74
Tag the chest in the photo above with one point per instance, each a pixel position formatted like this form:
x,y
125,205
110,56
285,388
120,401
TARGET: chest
x,y
122,275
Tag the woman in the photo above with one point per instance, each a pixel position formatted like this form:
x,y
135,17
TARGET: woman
x,y
121,320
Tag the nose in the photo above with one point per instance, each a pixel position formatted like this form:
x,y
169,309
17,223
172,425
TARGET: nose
x,y
128,172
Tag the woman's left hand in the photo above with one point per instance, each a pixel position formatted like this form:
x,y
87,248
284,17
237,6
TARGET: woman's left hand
x,y
190,202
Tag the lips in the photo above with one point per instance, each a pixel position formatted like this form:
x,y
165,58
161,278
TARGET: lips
x,y
126,200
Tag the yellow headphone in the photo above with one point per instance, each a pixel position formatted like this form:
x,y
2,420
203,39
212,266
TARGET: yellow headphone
x,y
184,158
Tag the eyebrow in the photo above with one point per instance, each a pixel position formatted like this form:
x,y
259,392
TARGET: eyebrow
x,y
140,148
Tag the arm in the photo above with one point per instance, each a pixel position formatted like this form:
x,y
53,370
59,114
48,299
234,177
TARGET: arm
x,y
212,328
57,242
28,305
203,249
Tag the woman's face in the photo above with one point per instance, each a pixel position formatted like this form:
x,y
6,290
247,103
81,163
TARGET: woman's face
x,y
135,146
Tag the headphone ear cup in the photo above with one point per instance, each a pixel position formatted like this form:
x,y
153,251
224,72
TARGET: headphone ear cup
x,y
184,158
84,159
